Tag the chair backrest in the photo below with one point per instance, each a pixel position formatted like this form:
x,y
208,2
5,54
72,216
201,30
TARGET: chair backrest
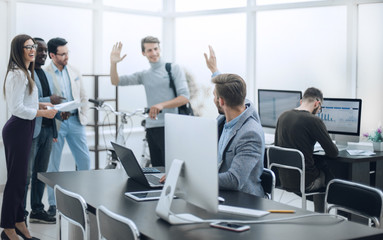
x,y
268,182
72,207
114,227
355,198
288,158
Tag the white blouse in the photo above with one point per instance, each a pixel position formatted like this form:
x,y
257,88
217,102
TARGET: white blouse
x,y
20,103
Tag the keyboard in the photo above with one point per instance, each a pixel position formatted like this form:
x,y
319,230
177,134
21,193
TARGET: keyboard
x,y
150,170
318,148
242,211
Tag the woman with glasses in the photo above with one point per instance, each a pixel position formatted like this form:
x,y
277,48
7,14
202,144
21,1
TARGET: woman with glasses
x,y
21,96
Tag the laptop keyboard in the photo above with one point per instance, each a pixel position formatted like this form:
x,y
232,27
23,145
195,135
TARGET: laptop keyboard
x,y
153,179
150,170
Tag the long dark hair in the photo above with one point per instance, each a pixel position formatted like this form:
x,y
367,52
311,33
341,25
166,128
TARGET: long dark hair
x,y
16,60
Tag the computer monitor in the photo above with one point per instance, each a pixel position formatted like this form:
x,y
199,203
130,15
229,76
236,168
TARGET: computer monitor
x,y
342,118
272,103
191,165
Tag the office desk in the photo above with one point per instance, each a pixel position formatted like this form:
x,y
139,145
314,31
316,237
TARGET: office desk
x,y
107,187
357,168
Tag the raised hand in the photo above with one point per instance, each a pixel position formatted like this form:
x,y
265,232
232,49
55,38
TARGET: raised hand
x,y
211,61
115,55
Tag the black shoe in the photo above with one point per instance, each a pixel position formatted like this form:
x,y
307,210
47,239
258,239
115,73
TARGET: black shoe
x,y
23,236
41,217
4,236
52,210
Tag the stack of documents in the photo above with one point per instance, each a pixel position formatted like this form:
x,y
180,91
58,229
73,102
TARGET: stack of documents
x,y
360,152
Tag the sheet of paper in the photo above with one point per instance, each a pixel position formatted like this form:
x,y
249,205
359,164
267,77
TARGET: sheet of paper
x,y
67,106
360,152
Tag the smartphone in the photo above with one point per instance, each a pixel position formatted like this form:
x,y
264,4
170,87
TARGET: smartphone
x,y
230,226
144,195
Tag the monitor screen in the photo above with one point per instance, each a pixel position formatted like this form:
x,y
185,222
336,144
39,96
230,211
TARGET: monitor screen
x,y
342,115
194,141
272,103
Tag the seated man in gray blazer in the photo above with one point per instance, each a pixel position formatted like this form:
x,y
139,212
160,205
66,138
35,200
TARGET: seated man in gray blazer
x,y
241,139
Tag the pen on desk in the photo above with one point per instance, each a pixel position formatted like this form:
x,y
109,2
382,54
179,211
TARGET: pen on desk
x,y
281,211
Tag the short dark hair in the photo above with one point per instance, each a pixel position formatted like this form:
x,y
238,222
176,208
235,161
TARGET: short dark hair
x,y
54,43
230,87
39,39
312,94
148,39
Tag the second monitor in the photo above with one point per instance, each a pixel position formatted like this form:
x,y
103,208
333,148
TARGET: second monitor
x,y
342,118
272,103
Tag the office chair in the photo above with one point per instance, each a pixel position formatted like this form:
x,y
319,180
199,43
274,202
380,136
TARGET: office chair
x,y
356,199
72,207
268,182
293,159
114,227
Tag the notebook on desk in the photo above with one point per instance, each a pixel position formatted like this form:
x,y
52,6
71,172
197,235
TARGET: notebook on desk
x,y
133,168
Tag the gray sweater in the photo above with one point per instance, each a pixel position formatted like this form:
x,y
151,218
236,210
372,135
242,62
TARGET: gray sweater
x,y
156,83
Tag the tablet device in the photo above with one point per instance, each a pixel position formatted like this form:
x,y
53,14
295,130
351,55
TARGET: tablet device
x,y
144,195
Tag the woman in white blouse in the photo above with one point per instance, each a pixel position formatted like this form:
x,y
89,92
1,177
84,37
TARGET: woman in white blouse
x,y
21,95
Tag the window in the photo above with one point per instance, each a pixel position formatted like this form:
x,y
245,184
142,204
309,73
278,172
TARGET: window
x,y
201,5
226,34
300,48
147,5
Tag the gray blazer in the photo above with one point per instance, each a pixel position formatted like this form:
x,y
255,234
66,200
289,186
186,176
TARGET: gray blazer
x,y
243,156
39,120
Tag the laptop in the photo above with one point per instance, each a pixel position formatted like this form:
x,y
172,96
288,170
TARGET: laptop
x,y
133,168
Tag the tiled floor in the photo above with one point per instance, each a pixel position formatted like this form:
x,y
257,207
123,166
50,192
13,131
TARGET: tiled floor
x,y
48,231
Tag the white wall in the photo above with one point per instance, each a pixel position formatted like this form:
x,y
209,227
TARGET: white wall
x,y
370,64
3,64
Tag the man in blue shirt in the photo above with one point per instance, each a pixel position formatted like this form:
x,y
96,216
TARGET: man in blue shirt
x,y
241,139
67,82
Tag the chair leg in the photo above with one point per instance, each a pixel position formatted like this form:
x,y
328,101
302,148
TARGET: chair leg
x,y
304,204
58,226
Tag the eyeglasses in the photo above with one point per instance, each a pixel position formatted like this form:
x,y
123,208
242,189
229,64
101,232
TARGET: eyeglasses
x,y
62,54
320,106
30,47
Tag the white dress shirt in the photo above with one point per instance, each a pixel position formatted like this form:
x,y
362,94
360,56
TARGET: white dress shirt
x,y
20,103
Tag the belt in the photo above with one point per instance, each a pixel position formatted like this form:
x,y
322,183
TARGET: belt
x,y
74,114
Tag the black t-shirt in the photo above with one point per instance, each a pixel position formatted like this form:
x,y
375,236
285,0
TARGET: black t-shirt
x,y
46,92
301,130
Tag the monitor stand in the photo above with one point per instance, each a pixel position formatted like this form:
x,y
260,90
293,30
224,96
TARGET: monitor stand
x,y
167,195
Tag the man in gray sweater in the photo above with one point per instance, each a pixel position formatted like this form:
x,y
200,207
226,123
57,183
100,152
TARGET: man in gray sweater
x,y
160,97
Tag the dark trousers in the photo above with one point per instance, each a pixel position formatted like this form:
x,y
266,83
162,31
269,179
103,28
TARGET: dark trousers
x,y
38,162
17,138
156,141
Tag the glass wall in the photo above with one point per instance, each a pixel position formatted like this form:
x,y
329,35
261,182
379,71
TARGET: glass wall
x,y
370,64
301,48
227,35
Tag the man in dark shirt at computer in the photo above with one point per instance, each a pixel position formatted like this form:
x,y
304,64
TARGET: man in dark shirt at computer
x,y
300,129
